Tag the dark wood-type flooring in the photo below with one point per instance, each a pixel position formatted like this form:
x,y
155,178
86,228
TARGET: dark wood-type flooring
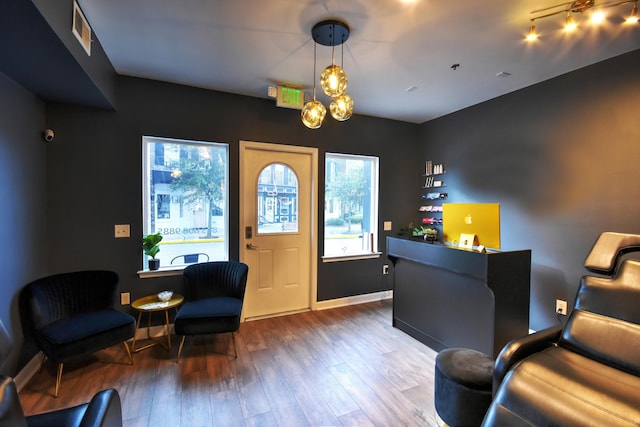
x,y
341,367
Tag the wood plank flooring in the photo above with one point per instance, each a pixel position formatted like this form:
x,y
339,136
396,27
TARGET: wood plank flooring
x,y
341,367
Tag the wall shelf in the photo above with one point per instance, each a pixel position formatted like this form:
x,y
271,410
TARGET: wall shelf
x,y
431,214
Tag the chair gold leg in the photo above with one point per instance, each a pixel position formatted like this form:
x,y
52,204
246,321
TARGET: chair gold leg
x,y
166,316
58,379
233,340
135,333
180,348
126,347
42,362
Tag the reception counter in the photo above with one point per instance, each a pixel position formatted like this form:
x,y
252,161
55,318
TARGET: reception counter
x,y
448,297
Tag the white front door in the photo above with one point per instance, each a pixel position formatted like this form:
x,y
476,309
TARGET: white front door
x,y
278,227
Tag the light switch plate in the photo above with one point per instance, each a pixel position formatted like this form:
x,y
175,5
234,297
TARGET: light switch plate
x,y
122,230
125,298
387,226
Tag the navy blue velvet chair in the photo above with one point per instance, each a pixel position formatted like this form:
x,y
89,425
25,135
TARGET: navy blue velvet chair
x,y
103,410
213,298
73,314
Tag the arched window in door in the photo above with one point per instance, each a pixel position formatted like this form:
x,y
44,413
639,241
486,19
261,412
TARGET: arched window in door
x,y
277,200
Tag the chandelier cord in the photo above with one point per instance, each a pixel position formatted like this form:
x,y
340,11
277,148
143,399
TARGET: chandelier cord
x,y
315,46
333,45
333,61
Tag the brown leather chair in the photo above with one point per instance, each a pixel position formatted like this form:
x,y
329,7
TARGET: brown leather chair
x,y
587,373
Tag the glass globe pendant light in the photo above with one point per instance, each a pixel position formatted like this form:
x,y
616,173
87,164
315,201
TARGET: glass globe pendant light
x,y
313,112
333,80
341,107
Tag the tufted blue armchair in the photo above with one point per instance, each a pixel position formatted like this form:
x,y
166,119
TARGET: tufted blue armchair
x,y
103,410
73,314
213,298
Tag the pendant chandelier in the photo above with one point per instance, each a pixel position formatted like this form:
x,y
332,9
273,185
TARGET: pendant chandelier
x,y
333,79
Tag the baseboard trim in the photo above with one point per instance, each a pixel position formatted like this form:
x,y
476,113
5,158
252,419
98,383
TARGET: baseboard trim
x,y
356,299
29,370
269,316
332,303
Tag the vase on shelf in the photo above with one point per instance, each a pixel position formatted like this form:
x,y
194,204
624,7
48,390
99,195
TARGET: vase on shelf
x,y
430,238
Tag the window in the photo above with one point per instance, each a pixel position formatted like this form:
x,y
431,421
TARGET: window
x,y
185,192
350,205
277,200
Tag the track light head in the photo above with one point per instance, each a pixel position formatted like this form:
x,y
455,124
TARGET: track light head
x,y
532,35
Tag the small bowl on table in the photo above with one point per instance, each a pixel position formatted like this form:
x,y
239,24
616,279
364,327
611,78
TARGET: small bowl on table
x,y
165,296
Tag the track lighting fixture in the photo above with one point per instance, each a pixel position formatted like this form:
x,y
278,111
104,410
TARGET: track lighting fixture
x,y
532,35
570,9
570,23
633,16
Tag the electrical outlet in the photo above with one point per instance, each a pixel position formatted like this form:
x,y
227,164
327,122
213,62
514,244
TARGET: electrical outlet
x,y
561,307
122,230
125,298
385,269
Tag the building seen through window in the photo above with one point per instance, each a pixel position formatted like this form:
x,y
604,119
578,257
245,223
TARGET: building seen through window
x,y
186,199
351,205
277,199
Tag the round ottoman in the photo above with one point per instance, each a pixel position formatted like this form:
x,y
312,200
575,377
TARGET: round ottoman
x,y
463,384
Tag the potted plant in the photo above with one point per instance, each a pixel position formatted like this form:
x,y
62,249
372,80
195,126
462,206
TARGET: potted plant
x,y
407,231
150,247
430,234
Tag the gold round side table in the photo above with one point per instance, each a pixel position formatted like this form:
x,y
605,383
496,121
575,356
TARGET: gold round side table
x,y
149,305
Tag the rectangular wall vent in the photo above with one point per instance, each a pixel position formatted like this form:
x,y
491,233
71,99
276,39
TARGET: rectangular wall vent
x,y
81,28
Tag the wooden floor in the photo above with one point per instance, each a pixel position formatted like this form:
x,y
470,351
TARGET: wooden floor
x,y
340,367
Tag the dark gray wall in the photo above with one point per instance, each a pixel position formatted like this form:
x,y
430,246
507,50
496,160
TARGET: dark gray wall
x,y
40,52
99,89
23,233
561,158
95,178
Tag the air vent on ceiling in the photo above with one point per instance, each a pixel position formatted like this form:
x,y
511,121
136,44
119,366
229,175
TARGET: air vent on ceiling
x,y
81,28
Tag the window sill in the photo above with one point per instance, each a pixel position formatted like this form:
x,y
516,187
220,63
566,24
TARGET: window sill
x,y
174,270
352,257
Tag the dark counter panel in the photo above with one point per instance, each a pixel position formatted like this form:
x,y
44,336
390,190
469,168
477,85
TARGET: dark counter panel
x,y
446,297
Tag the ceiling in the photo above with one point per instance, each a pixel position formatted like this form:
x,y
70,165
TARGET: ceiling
x,y
245,46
